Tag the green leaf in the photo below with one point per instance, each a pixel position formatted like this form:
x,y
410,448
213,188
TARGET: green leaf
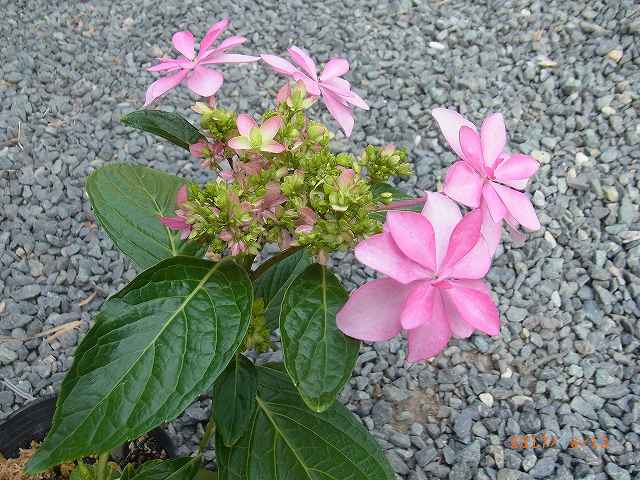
x,y
127,201
318,356
178,469
204,474
155,346
272,284
168,125
287,440
234,399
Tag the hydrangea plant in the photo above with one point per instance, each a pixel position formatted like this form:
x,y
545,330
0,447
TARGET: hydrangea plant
x,y
184,325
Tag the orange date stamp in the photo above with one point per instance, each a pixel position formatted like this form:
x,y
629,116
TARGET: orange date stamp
x,y
545,440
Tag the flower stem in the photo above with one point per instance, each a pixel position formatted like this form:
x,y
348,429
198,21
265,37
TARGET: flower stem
x,y
102,467
204,442
403,203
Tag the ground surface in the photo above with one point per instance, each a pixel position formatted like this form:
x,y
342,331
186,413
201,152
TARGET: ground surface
x,y
567,360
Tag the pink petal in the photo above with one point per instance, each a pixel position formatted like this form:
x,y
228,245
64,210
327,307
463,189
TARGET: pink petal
x,y
476,308
174,223
181,195
473,265
339,112
311,85
239,143
279,64
516,167
356,101
490,229
185,232
245,123
463,238
493,135
431,338
418,308
204,81
336,67
273,147
450,123
212,34
459,328
372,312
339,86
413,234
270,127
471,148
519,206
512,227
495,206
167,66
184,43
444,215
163,85
229,58
305,62
381,253
463,184
230,42
283,94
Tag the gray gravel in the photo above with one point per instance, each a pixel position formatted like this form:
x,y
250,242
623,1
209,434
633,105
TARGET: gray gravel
x,y
567,360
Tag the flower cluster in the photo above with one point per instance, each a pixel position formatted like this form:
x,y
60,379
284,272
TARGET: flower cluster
x,y
279,182
435,260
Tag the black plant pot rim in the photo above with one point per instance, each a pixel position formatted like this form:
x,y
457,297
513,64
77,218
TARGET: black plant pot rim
x,y
32,422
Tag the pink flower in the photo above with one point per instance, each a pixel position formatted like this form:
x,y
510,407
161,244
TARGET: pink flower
x,y
253,137
191,67
179,222
434,262
335,91
486,172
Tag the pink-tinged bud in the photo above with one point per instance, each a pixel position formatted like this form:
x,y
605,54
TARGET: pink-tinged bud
x,y
226,175
283,93
285,240
304,229
236,248
225,236
200,149
182,195
388,149
212,102
322,257
308,216
346,177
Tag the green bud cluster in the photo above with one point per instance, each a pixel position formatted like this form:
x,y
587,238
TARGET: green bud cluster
x,y
307,195
385,162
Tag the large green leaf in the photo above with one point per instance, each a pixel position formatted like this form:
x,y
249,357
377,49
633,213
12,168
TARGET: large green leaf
x,y
168,125
289,441
272,284
127,201
234,399
155,346
178,469
318,356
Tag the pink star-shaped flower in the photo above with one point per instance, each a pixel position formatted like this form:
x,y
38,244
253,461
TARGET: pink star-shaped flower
x,y
434,262
486,173
191,67
334,90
